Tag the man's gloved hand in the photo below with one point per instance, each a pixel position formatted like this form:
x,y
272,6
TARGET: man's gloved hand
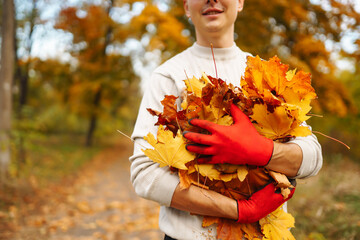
x,y
260,204
239,143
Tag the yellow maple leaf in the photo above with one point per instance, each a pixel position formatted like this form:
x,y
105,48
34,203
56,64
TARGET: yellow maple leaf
x,y
208,170
238,171
298,94
242,172
195,85
290,74
278,124
300,110
300,84
216,173
215,115
276,225
228,177
168,150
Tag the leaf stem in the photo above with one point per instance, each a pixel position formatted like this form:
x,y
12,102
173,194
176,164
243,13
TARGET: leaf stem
x,y
314,115
332,138
131,139
125,135
212,52
187,77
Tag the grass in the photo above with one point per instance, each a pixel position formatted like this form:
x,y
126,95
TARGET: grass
x,y
51,158
328,205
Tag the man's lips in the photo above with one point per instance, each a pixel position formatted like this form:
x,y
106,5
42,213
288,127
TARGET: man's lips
x,y
212,11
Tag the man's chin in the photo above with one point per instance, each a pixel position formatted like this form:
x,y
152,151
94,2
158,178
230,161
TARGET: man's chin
x,y
214,27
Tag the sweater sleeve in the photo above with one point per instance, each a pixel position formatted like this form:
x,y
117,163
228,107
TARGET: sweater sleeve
x,y
312,156
149,180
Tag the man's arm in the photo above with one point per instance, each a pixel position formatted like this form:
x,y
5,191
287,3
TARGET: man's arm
x,y
204,202
286,159
209,203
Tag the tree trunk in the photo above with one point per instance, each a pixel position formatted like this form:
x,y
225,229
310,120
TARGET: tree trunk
x,y
23,74
93,118
6,79
97,97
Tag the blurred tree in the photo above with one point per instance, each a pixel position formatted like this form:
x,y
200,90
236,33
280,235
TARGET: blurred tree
x,y
162,30
52,79
1,10
102,78
6,79
300,33
26,25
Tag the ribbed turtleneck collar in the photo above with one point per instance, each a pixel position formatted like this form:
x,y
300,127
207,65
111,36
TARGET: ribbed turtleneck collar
x,y
220,53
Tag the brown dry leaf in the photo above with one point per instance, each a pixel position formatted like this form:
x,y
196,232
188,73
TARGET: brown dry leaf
x,y
255,180
251,231
227,231
230,230
227,168
281,180
38,221
171,118
168,151
285,192
3,215
194,177
84,207
192,105
208,221
190,176
185,180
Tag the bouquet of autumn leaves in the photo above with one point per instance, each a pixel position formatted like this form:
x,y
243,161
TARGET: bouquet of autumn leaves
x,y
275,99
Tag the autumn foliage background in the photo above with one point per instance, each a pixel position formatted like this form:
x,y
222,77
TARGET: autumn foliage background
x,y
67,104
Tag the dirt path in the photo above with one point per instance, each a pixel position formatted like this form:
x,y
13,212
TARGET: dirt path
x,y
98,204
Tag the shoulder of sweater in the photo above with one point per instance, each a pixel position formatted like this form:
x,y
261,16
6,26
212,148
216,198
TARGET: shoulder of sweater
x,y
178,61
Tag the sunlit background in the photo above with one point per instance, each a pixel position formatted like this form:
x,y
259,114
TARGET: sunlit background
x,y
80,68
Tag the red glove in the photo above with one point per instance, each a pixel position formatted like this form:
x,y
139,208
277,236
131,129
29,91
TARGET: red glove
x,y
260,204
239,143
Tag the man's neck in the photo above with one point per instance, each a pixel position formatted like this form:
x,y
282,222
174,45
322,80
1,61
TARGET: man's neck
x,y
216,39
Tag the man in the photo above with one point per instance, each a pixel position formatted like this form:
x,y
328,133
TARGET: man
x,y
214,24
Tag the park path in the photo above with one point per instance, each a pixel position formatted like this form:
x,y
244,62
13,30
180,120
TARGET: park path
x,y
99,203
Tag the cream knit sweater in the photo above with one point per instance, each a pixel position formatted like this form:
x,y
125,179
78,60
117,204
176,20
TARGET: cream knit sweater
x,y
158,184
